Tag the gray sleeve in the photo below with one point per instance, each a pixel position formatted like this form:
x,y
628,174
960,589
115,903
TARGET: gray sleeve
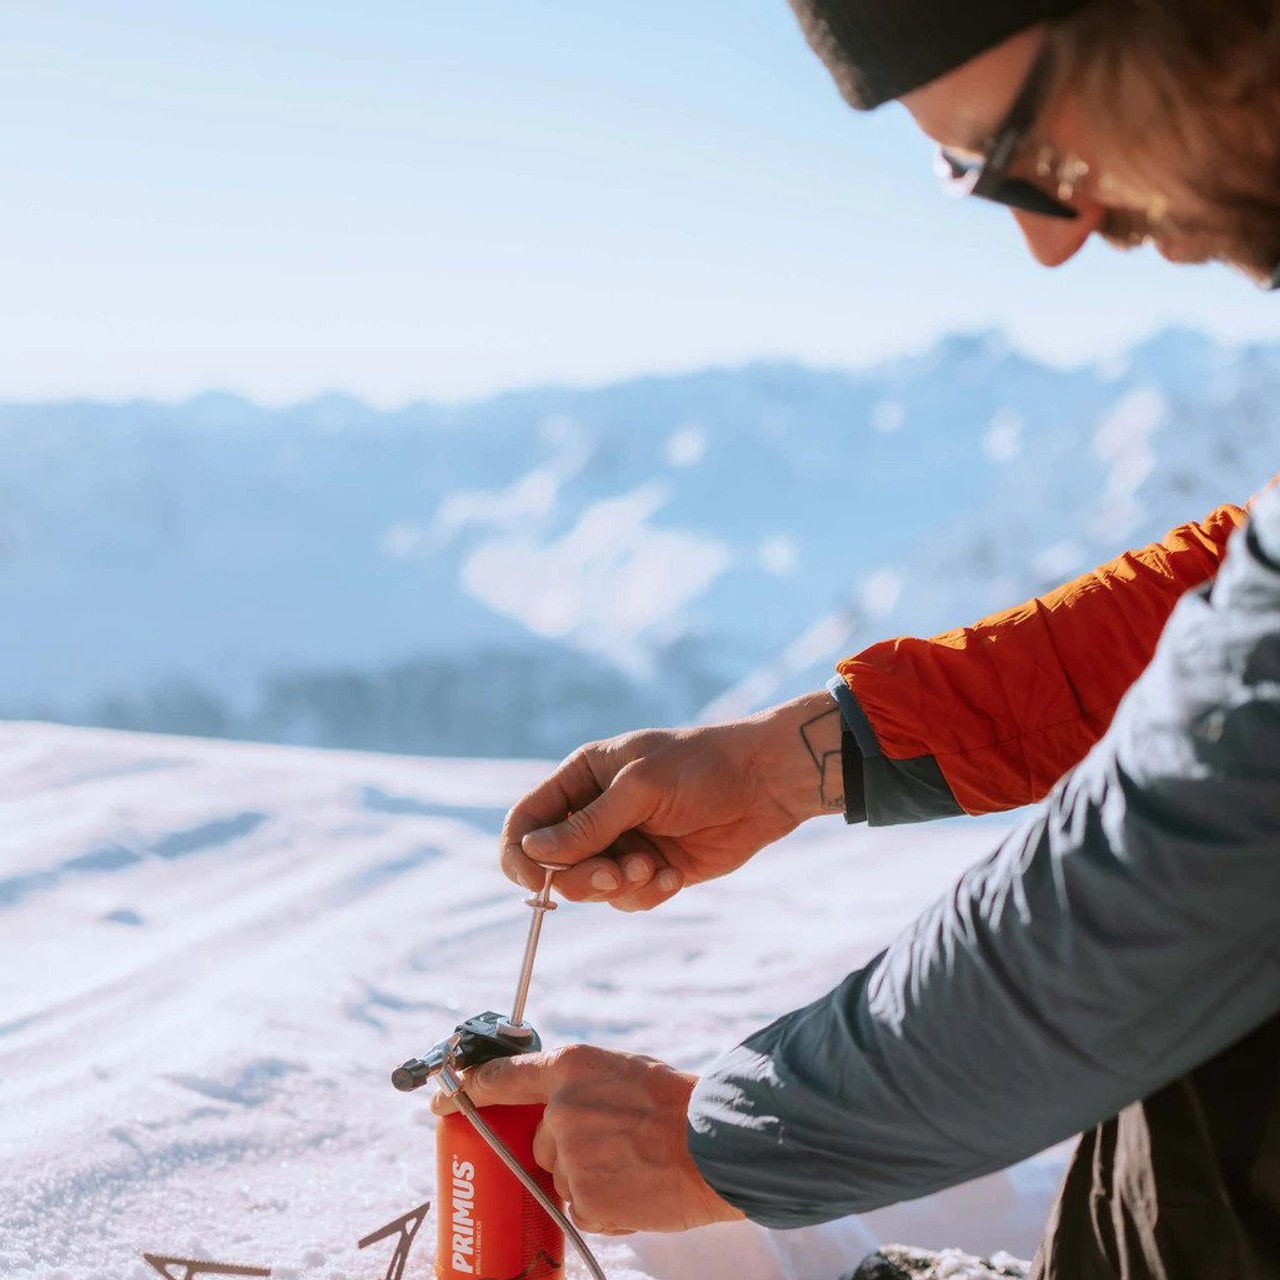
x,y
1121,936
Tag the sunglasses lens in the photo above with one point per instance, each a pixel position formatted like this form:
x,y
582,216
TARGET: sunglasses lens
x,y
958,173
947,164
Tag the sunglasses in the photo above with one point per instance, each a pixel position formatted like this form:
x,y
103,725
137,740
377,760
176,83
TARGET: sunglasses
x,y
987,176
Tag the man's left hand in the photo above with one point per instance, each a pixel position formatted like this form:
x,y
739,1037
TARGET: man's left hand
x,y
613,1137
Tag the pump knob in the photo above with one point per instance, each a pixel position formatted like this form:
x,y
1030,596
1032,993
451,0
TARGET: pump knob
x,y
412,1075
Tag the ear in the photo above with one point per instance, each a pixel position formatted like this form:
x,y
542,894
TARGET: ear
x,y
1053,241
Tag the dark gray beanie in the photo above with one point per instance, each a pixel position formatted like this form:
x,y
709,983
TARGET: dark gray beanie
x,y
881,49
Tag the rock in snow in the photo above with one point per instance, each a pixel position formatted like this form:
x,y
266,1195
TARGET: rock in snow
x,y
898,1262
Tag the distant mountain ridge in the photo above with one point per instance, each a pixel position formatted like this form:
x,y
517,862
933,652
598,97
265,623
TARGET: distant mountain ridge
x,y
514,576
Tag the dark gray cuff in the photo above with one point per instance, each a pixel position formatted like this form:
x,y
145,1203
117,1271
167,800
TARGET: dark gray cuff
x,y
855,719
885,792
852,752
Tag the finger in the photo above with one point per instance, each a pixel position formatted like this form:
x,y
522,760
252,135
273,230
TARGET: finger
x,y
544,1156
591,828
515,866
597,1228
638,869
594,880
511,1082
544,1149
662,888
570,786
630,862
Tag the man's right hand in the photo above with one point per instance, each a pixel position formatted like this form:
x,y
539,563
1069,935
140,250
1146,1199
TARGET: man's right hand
x,y
638,817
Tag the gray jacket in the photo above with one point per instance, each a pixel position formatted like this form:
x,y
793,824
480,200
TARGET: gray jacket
x,y
1126,932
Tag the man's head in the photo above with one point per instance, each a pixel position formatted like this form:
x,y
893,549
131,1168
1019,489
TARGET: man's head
x,y
1157,120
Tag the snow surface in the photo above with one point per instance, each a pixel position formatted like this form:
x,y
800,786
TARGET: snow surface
x,y
213,955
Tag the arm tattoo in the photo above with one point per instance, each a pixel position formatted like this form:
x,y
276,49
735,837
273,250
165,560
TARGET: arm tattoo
x,y
826,760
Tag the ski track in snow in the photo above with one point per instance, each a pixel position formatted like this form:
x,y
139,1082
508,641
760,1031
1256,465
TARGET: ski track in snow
x,y
213,954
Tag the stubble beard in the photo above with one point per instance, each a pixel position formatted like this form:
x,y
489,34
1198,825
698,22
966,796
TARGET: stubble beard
x,y
1188,243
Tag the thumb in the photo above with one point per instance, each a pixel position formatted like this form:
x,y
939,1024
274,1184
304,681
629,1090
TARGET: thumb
x,y
625,803
504,1082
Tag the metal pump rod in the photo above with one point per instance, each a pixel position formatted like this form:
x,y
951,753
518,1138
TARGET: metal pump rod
x,y
541,905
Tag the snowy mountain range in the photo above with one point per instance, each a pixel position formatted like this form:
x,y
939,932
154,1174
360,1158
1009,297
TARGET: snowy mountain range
x,y
515,576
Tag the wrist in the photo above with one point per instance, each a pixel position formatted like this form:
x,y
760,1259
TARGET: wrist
x,y
712,1206
803,760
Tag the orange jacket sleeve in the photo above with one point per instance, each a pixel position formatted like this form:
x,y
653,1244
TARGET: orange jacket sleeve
x,y
990,716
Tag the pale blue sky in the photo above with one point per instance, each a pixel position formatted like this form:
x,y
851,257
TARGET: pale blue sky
x,y
407,199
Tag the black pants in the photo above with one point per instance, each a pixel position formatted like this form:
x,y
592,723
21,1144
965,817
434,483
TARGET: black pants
x,y
1183,1186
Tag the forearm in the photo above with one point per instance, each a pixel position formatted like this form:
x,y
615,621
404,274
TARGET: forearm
x,y
1119,938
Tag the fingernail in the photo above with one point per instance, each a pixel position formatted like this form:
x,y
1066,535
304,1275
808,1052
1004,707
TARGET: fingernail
x,y
637,869
540,842
604,881
668,880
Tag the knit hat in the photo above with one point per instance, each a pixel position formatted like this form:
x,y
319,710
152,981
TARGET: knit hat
x,y
881,49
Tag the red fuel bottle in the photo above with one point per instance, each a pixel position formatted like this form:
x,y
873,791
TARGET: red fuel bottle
x,y
489,1226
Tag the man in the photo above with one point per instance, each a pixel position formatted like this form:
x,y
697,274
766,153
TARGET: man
x,y
1116,962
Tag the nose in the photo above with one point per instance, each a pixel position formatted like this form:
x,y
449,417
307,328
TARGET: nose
x,y
1053,241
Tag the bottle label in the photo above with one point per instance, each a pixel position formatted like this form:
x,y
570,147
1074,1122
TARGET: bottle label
x,y
464,1221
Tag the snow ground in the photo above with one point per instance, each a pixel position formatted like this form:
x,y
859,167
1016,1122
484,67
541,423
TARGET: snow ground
x,y
212,955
